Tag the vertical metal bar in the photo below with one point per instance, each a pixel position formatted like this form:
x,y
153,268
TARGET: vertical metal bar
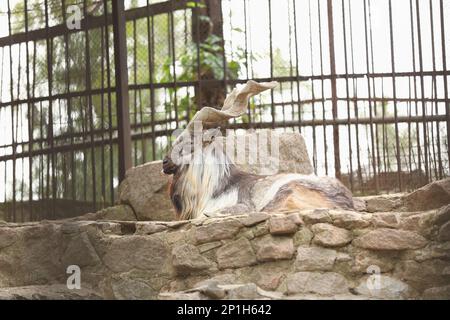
x,y
150,70
91,111
337,157
135,113
297,70
444,67
12,215
355,103
424,116
30,121
394,96
102,115
366,38
376,159
69,105
110,120
49,42
123,114
313,94
173,53
413,49
344,32
272,107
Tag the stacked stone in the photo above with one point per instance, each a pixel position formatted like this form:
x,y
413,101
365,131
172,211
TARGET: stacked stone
x,y
311,254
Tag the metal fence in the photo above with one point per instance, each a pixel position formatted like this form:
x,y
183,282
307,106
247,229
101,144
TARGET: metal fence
x,y
366,83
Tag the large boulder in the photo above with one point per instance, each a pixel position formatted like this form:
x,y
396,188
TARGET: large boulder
x,y
432,196
269,152
145,187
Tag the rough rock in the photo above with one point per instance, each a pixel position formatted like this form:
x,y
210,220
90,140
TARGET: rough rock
x,y
328,283
328,235
217,231
437,293
314,259
303,236
282,225
316,216
431,196
348,219
382,203
145,190
47,292
292,153
444,232
270,248
390,239
120,212
236,254
442,215
186,259
423,275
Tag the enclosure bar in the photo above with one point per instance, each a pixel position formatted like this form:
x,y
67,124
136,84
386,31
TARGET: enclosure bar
x,y
135,92
91,112
122,99
11,85
92,22
444,67
433,52
344,32
212,82
367,13
355,103
30,120
321,77
394,94
313,93
272,108
337,157
109,102
297,70
102,116
150,70
49,53
173,53
293,123
422,91
69,103
376,165
413,48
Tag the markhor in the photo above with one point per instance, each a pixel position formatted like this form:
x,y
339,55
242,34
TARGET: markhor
x,y
204,311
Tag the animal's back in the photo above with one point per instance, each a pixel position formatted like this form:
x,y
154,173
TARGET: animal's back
x,y
286,192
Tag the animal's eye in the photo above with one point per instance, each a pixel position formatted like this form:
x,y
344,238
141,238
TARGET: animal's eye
x,y
177,202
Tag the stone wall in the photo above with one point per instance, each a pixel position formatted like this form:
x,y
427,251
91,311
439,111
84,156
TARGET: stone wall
x,y
302,255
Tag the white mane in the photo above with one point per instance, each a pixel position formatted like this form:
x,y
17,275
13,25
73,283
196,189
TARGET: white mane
x,y
200,179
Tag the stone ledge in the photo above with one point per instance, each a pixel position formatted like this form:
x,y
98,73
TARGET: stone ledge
x,y
306,254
